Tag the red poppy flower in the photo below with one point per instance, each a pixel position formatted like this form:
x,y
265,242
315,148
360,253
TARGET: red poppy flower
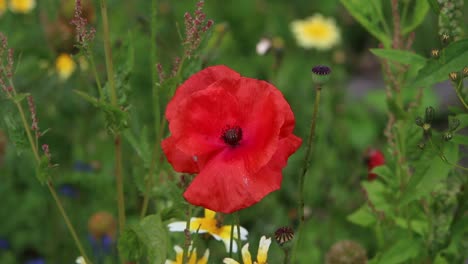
x,y
235,132
374,159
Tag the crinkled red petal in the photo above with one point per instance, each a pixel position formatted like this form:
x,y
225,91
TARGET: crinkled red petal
x,y
197,82
179,160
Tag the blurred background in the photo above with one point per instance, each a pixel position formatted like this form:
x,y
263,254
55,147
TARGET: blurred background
x,y
352,119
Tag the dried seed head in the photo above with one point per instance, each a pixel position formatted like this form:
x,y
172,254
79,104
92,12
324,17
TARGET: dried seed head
x,y
435,53
283,235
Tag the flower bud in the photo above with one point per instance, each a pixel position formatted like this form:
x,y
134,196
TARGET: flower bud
x,y
447,136
465,72
419,121
429,114
321,74
454,76
435,53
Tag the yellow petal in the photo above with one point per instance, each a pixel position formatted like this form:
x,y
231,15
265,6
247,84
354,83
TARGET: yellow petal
x,y
229,261
263,250
209,214
246,257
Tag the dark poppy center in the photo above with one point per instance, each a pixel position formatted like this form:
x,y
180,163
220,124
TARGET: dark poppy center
x,y
232,136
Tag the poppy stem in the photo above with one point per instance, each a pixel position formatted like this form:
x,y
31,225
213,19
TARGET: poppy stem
x,y
231,240
310,139
185,255
239,241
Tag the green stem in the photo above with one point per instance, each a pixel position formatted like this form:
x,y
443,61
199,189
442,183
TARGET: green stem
x,y
108,53
113,93
28,132
57,201
67,222
305,167
119,183
444,158
157,111
96,76
185,255
239,241
231,240
286,256
459,95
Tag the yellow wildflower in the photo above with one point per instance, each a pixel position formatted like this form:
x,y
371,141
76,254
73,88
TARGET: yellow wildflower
x,y
247,258
64,66
3,6
316,32
209,224
192,257
22,6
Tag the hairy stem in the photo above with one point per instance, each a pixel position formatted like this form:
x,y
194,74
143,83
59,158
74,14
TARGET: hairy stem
x,y
310,139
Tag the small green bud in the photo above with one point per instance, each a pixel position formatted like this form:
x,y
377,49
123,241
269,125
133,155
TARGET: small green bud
x,y
454,76
321,74
419,121
454,123
421,145
429,114
447,136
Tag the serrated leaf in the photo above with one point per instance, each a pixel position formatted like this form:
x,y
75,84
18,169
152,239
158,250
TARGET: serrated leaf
x,y
452,59
362,216
428,172
43,170
129,245
420,9
401,56
20,97
400,252
378,193
360,10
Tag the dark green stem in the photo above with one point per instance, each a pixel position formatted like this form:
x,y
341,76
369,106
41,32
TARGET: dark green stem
x,y
305,167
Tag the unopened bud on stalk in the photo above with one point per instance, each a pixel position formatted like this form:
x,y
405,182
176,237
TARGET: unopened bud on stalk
x,y
465,72
419,121
321,74
429,114
454,76
447,136
435,53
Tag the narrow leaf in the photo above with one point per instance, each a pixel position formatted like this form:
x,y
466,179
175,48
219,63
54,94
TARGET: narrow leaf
x,y
401,56
420,10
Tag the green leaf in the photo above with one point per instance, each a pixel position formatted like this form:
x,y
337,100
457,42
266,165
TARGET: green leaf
x,y
418,226
429,170
20,97
463,118
401,56
148,238
460,139
378,193
434,6
419,11
361,10
400,252
385,173
362,216
452,59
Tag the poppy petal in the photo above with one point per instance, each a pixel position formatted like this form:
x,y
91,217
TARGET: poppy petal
x,y
178,159
197,82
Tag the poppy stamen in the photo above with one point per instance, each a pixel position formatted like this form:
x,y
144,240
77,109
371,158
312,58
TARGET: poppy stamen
x,y
232,135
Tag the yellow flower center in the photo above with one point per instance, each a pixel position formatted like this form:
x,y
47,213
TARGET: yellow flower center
x,y
22,6
65,66
317,30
